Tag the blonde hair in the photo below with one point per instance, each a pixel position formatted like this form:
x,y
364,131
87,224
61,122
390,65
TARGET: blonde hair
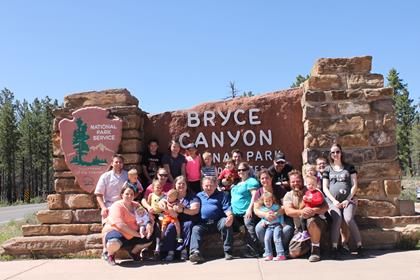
x,y
260,201
310,167
206,155
132,171
311,178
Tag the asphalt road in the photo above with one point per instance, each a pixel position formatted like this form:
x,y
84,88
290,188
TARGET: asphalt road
x,y
18,212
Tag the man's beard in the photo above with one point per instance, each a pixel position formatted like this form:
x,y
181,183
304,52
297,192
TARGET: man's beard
x,y
298,191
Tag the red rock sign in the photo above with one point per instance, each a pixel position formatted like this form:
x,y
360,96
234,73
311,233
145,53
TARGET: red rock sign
x,y
89,141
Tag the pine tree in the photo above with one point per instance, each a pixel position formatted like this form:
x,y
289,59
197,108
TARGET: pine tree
x,y
415,142
80,145
299,80
405,115
8,143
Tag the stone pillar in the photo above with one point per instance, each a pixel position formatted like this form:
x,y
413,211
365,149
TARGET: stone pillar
x,y
71,225
343,102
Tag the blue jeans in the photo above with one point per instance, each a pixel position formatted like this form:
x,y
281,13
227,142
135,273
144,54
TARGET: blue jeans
x,y
286,233
202,228
169,242
273,232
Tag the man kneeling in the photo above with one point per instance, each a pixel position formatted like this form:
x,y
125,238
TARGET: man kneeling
x,y
292,202
216,215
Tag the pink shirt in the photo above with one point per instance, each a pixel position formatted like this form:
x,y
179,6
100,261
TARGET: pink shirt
x,y
168,186
118,213
193,168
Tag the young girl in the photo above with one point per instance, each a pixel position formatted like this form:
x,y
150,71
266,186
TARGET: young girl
x,y
228,176
208,169
153,200
274,228
193,168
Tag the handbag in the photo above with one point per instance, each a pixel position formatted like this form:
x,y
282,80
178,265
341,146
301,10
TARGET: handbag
x,y
298,248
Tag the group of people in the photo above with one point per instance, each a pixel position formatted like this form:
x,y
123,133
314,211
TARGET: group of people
x,y
186,198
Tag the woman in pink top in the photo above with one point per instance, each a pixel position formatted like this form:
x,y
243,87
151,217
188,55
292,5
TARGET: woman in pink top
x,y
193,168
121,229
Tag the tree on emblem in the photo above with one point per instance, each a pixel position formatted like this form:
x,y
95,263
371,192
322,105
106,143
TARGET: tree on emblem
x,y
80,145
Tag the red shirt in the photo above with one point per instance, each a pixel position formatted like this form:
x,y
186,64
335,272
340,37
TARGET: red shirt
x,y
317,198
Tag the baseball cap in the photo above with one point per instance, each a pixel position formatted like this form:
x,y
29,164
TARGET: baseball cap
x,y
279,157
190,146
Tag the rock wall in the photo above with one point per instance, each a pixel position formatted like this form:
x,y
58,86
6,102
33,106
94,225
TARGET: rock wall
x,y
343,102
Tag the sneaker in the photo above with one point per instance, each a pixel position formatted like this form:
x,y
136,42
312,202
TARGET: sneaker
x,y
104,256
250,252
170,256
135,257
268,258
315,256
360,252
297,236
156,255
228,256
344,249
195,257
179,240
184,255
111,260
335,254
305,236
145,254
280,258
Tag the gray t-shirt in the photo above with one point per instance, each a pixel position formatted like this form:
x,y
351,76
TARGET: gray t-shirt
x,y
340,181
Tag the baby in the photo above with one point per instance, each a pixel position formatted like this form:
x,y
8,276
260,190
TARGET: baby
x,y
143,221
310,170
171,201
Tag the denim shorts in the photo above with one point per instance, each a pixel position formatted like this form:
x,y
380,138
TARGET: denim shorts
x,y
117,236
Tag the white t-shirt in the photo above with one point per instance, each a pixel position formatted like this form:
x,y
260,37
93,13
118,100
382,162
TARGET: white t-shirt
x,y
110,185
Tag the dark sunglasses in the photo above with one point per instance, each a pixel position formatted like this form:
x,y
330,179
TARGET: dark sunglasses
x,y
244,169
163,175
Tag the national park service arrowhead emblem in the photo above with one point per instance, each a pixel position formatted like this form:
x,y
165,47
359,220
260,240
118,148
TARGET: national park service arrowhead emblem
x,y
88,142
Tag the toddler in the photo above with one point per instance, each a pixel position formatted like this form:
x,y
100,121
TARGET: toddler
x,y
313,198
310,170
274,228
133,181
153,200
228,176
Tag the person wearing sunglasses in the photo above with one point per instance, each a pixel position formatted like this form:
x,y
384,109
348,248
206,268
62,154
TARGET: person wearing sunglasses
x,y
162,178
280,170
340,186
242,195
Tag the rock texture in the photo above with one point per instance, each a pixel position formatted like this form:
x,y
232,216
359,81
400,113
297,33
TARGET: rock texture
x,y
278,112
344,103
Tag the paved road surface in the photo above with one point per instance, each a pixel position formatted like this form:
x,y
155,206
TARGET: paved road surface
x,y
382,265
18,212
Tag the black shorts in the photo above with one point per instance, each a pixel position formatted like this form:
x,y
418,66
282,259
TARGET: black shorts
x,y
116,235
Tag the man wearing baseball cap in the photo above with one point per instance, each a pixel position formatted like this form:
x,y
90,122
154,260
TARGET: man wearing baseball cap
x,y
280,170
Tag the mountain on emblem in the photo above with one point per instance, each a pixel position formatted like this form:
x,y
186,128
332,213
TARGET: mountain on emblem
x,y
88,142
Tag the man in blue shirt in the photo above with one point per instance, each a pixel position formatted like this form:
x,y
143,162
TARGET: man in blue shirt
x,y
216,215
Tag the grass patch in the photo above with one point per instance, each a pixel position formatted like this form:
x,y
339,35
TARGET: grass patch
x,y
408,194
34,200
13,228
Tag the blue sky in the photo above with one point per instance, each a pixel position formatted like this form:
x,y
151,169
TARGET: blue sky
x,y
176,54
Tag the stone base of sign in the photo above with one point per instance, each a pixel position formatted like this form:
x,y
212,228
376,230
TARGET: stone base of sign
x,y
377,233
